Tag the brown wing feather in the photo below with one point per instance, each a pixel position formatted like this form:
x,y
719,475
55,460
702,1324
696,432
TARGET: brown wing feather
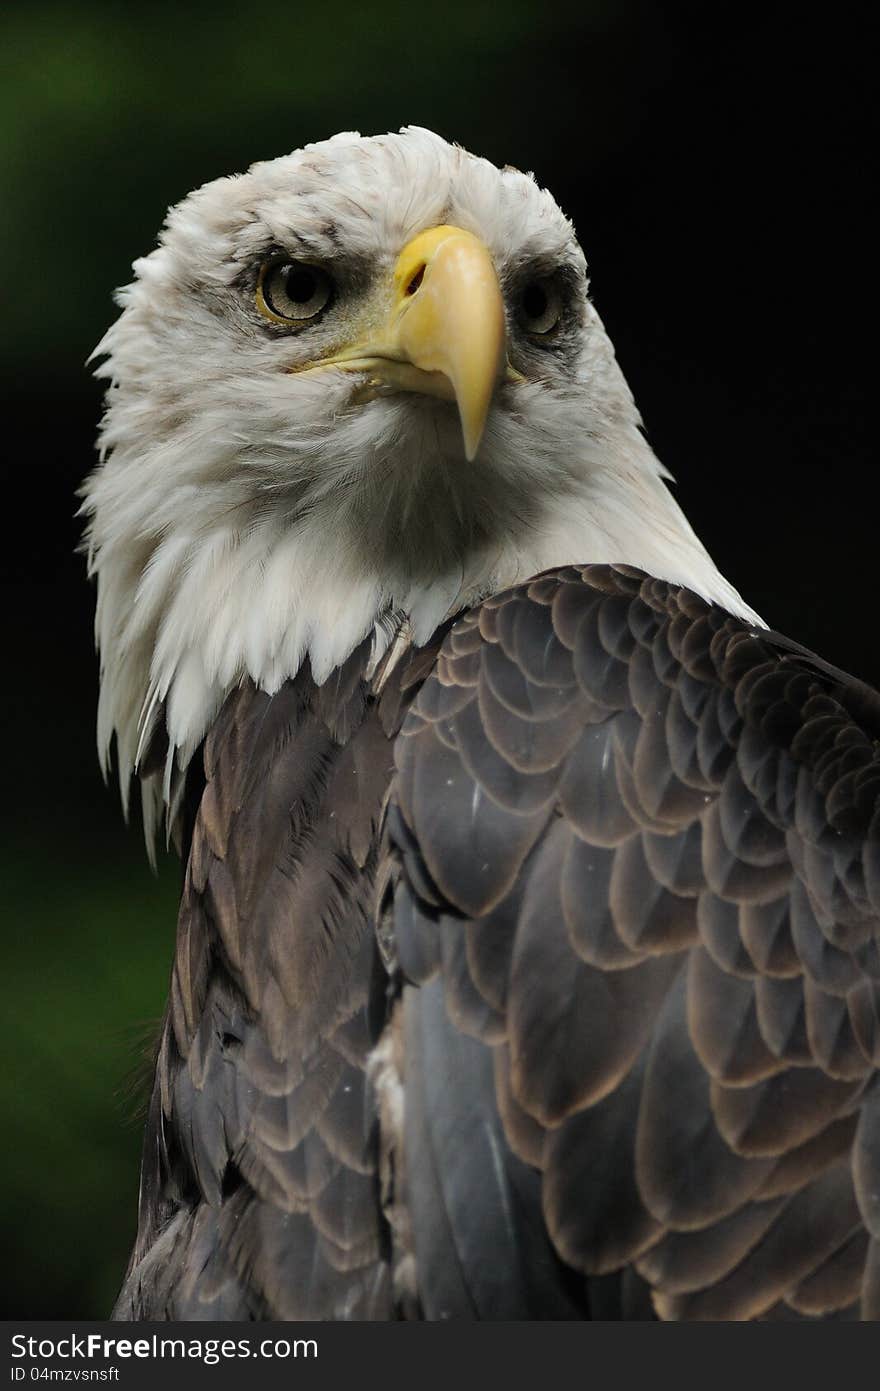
x,y
260,1190
644,841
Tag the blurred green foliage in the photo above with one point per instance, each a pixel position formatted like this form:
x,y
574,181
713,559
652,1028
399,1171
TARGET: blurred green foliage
x,y
85,976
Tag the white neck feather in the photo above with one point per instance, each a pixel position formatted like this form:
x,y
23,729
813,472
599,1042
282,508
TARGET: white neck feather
x,y
188,612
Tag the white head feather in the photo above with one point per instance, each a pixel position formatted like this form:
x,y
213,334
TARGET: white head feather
x,y
244,517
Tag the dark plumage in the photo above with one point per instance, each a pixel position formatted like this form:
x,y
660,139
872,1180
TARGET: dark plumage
x,y
608,905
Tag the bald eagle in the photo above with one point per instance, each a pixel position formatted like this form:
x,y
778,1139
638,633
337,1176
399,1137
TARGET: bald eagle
x,y
527,959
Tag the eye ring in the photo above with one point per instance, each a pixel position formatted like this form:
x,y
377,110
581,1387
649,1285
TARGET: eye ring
x,y
539,306
292,292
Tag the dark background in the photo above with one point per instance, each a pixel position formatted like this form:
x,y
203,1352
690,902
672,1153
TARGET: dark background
x,y
715,159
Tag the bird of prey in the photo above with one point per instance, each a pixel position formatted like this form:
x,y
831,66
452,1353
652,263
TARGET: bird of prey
x,y
527,960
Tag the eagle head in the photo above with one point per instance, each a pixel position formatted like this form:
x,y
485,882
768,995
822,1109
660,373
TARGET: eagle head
x,y
350,392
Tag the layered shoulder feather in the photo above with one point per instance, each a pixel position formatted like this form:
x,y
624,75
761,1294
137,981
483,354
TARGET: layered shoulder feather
x,y
636,901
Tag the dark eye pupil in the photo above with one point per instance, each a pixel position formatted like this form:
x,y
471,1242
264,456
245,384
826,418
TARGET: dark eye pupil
x,y
534,302
301,284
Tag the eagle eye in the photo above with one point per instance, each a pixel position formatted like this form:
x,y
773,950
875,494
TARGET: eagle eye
x,y
292,292
540,306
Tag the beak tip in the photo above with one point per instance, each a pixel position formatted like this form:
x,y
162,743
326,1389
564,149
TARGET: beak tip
x,y
474,409
472,441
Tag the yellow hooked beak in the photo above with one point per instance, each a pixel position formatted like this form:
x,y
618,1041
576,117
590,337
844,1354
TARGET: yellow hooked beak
x,y
445,334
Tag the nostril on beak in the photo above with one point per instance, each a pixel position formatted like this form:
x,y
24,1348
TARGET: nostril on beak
x,y
416,280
